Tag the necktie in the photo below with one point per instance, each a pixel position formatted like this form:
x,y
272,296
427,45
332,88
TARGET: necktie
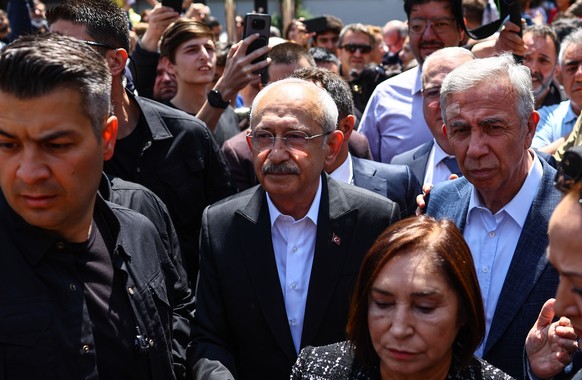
x,y
453,166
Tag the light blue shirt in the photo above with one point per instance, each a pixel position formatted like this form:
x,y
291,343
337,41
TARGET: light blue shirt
x,y
393,120
493,238
294,247
556,121
436,170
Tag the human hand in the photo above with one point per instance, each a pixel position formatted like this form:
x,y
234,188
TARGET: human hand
x,y
509,40
550,345
239,70
160,18
422,199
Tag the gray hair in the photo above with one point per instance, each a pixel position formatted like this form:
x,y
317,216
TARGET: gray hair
x,y
355,28
448,54
326,115
574,38
493,72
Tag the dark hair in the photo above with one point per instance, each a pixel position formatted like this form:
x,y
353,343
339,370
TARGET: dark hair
x,y
456,8
544,31
36,65
332,24
288,53
322,55
180,31
566,25
104,21
335,85
441,241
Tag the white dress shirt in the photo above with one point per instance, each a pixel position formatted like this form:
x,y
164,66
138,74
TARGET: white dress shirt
x,y
345,172
436,170
493,238
294,247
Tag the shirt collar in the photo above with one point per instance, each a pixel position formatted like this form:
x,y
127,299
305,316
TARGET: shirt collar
x,y
439,153
312,214
417,82
570,117
515,208
345,172
34,242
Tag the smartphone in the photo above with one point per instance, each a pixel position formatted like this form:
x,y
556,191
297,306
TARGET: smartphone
x,y
174,4
316,25
258,23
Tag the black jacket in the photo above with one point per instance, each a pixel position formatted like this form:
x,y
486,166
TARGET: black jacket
x,y
144,201
182,164
43,329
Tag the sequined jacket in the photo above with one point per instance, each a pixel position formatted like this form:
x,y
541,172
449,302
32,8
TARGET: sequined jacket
x,y
336,362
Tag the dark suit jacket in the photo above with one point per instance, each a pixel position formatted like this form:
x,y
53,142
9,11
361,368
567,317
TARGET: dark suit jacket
x,y
530,280
240,317
395,182
416,159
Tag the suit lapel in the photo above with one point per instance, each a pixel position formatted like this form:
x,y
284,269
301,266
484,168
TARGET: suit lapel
x,y
335,225
364,176
256,244
528,260
418,165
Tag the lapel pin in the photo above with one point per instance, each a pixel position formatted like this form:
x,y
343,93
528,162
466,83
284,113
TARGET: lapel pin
x,y
335,239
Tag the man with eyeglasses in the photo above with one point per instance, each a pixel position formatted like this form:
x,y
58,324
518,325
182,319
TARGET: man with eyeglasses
x,y
393,119
278,261
434,162
354,47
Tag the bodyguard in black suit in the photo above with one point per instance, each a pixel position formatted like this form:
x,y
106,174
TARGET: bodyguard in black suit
x,y
245,316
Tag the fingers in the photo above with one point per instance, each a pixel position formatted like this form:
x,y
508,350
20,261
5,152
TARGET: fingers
x,y
546,314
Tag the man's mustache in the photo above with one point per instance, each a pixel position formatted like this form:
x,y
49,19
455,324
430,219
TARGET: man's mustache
x,y
283,168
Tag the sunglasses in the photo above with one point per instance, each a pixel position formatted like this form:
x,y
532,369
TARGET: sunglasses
x,y
352,48
569,170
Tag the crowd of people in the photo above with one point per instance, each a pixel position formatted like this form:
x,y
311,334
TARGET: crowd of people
x,y
396,202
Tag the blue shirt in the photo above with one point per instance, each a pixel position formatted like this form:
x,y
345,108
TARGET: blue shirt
x,y
393,120
556,121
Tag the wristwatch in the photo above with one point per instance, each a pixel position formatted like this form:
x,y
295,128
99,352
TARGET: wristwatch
x,y
216,101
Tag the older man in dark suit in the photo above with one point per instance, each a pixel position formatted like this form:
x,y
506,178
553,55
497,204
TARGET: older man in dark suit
x,y
278,262
504,201
433,162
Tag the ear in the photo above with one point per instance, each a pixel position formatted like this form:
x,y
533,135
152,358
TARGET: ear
x,y
116,60
558,73
346,125
532,124
108,137
168,65
334,143
445,131
248,137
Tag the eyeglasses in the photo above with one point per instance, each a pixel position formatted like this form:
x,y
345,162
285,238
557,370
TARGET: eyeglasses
x,y
99,44
439,25
364,49
295,140
569,171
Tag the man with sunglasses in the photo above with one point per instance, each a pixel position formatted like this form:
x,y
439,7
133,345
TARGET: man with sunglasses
x,y
393,119
278,261
354,47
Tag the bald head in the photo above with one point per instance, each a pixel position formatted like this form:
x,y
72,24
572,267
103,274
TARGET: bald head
x,y
434,70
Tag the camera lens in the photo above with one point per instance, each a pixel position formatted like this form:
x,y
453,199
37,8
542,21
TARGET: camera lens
x,y
258,24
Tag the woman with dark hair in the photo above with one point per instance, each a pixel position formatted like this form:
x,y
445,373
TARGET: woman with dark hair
x,y
416,312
